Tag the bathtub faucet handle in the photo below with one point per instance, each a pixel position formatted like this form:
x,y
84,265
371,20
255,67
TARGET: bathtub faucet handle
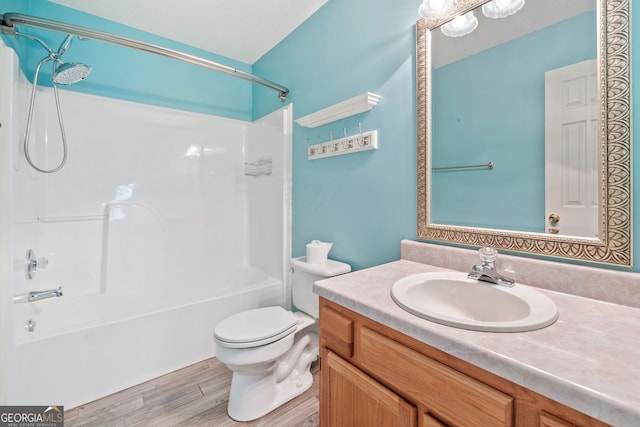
x,y
32,264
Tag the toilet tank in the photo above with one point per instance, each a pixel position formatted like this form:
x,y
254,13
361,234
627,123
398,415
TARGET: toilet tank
x,y
304,275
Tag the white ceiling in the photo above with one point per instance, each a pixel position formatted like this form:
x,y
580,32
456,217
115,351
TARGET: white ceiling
x,y
239,29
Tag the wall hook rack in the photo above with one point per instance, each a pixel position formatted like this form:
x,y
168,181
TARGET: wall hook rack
x,y
346,145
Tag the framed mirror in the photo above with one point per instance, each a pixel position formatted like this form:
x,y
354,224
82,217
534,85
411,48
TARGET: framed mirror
x,y
503,159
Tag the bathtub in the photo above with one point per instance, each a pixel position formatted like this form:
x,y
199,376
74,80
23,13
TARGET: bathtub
x,y
84,348
141,229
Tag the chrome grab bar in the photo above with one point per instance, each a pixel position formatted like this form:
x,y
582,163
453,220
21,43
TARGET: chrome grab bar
x,y
38,295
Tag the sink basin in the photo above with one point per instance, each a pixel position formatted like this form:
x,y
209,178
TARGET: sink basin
x,y
452,299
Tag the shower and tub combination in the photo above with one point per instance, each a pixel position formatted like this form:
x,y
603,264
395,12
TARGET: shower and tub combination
x,y
123,246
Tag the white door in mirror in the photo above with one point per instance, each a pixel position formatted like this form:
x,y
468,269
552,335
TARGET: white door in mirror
x,y
571,149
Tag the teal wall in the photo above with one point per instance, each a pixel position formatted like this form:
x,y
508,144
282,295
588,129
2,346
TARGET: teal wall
x,y
132,75
498,115
363,202
366,202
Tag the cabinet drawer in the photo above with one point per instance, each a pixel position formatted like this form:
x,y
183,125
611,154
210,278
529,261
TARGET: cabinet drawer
x,y
429,421
548,420
337,331
450,395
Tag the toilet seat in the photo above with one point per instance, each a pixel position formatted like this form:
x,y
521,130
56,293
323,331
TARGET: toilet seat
x,y
253,328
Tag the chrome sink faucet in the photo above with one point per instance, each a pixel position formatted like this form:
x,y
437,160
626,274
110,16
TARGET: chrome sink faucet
x,y
487,272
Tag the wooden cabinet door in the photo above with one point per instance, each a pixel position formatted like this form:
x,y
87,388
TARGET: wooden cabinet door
x,y
354,399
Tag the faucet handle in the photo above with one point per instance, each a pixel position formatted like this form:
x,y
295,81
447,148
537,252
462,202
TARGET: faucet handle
x,y
488,255
32,264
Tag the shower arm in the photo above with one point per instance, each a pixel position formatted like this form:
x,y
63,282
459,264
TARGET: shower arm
x,y
34,38
8,21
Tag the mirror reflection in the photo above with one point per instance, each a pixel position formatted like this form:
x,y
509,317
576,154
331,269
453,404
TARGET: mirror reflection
x,y
484,200
515,121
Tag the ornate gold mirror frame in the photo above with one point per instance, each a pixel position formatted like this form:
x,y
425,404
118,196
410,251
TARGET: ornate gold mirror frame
x,y
615,245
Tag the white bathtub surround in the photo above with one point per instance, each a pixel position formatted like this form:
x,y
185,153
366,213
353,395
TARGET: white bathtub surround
x,y
586,360
152,229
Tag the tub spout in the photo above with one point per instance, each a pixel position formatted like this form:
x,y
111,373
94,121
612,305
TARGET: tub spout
x,y
38,295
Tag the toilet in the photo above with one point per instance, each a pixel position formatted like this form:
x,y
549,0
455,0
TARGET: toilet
x,y
270,349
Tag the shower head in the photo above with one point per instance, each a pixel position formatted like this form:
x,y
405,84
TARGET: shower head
x,y
70,73
63,74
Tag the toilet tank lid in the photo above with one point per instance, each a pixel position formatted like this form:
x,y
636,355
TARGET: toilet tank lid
x,y
326,269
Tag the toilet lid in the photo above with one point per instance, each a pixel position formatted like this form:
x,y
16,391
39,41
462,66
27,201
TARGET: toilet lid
x,y
256,327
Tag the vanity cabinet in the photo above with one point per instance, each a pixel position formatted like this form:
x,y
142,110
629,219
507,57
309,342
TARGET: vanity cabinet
x,y
372,375
354,398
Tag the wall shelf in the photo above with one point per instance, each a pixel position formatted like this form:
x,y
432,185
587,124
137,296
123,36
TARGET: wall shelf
x,y
350,107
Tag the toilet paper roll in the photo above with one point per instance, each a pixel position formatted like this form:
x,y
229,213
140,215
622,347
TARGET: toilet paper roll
x,y
316,255
318,252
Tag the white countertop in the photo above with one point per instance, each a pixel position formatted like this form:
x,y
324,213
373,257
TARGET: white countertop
x,y
588,360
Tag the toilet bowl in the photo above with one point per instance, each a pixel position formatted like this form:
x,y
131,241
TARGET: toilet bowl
x,y
270,349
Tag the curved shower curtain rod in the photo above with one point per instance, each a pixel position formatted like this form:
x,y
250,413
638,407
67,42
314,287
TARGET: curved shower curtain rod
x,y
8,21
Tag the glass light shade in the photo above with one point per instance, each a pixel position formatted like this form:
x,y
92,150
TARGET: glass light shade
x,y
501,8
434,9
460,26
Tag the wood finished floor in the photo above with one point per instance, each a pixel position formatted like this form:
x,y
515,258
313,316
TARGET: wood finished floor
x,y
192,396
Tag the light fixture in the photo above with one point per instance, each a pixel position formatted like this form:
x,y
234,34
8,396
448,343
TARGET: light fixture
x,y
501,8
434,9
461,25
